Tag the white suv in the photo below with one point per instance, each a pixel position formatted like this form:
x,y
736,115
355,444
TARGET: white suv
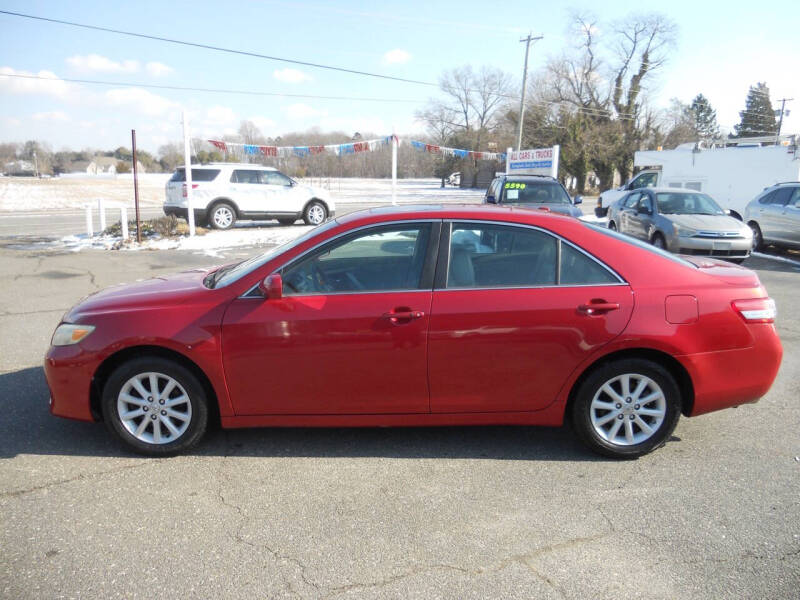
x,y
222,193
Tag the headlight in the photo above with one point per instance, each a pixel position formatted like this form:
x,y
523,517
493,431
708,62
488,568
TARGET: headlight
x,y
67,334
684,231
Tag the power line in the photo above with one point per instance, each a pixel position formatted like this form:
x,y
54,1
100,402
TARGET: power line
x,y
217,48
210,90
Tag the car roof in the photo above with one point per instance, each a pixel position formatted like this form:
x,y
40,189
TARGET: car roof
x,y
486,212
217,165
531,177
669,190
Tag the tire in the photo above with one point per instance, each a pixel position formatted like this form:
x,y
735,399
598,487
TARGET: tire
x,y
596,416
758,238
659,241
315,213
222,216
736,261
287,221
612,226
127,391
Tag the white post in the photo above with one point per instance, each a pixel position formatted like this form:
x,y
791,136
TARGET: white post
x,y
89,231
508,157
394,167
554,171
123,221
101,209
187,161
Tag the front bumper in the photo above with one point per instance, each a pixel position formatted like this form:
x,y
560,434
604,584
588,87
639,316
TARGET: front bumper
x,y
715,247
69,371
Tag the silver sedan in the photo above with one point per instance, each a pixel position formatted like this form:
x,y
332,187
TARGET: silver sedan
x,y
681,221
774,216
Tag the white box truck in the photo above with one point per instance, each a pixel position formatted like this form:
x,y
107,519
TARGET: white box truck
x,y
732,175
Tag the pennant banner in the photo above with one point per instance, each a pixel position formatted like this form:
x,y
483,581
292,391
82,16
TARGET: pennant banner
x,y
303,151
457,152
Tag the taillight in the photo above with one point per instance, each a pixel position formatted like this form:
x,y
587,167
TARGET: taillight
x,y
756,310
194,187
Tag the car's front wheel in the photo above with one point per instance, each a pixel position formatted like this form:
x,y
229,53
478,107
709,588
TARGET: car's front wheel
x,y
612,226
223,216
315,213
156,406
626,408
659,241
758,238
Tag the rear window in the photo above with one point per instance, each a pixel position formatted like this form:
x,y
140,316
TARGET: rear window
x,y
534,192
197,175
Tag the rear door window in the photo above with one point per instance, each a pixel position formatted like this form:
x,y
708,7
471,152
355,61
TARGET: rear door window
x,y
781,196
197,175
484,255
245,176
576,268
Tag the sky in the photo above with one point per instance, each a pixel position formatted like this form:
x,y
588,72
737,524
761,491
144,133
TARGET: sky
x,y
723,47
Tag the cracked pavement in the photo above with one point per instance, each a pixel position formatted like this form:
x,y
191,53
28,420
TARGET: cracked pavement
x,y
485,512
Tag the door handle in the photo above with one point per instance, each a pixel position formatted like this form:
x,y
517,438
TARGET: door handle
x,y
403,315
598,308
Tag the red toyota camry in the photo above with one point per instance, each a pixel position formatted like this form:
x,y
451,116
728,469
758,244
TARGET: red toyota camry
x,y
414,316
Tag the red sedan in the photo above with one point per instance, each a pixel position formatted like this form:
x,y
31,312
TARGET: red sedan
x,y
414,316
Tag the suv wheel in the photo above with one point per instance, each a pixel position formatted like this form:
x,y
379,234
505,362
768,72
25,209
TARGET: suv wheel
x,y
315,213
222,216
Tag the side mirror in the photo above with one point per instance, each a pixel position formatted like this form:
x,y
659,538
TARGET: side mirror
x,y
491,199
578,200
640,210
272,287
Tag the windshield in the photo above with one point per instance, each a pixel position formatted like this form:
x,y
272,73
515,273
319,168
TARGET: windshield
x,y
682,203
638,243
536,192
230,273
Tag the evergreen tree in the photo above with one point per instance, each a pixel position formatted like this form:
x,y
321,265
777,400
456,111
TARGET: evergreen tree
x,y
705,119
758,118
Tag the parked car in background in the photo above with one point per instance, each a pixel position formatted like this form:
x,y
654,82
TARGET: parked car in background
x,y
732,173
681,221
774,216
454,179
534,191
412,316
223,193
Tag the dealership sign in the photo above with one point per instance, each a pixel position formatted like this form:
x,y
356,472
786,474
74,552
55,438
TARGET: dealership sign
x,y
537,161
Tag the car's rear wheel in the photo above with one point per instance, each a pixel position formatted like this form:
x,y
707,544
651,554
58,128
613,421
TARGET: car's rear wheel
x,y
156,406
223,216
315,213
626,408
286,221
659,241
758,238
612,226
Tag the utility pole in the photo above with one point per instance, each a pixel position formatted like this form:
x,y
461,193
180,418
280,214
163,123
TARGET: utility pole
x,y
780,121
527,41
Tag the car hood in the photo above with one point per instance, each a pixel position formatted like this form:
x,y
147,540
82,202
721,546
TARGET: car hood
x,y
706,222
165,290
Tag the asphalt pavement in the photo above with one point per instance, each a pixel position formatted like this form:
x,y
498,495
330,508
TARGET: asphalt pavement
x,y
461,512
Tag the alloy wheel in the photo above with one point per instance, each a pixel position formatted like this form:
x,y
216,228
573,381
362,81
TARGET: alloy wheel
x,y
628,409
154,408
316,214
223,217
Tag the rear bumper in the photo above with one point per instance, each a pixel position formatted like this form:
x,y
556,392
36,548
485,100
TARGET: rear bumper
x,y
183,212
732,377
